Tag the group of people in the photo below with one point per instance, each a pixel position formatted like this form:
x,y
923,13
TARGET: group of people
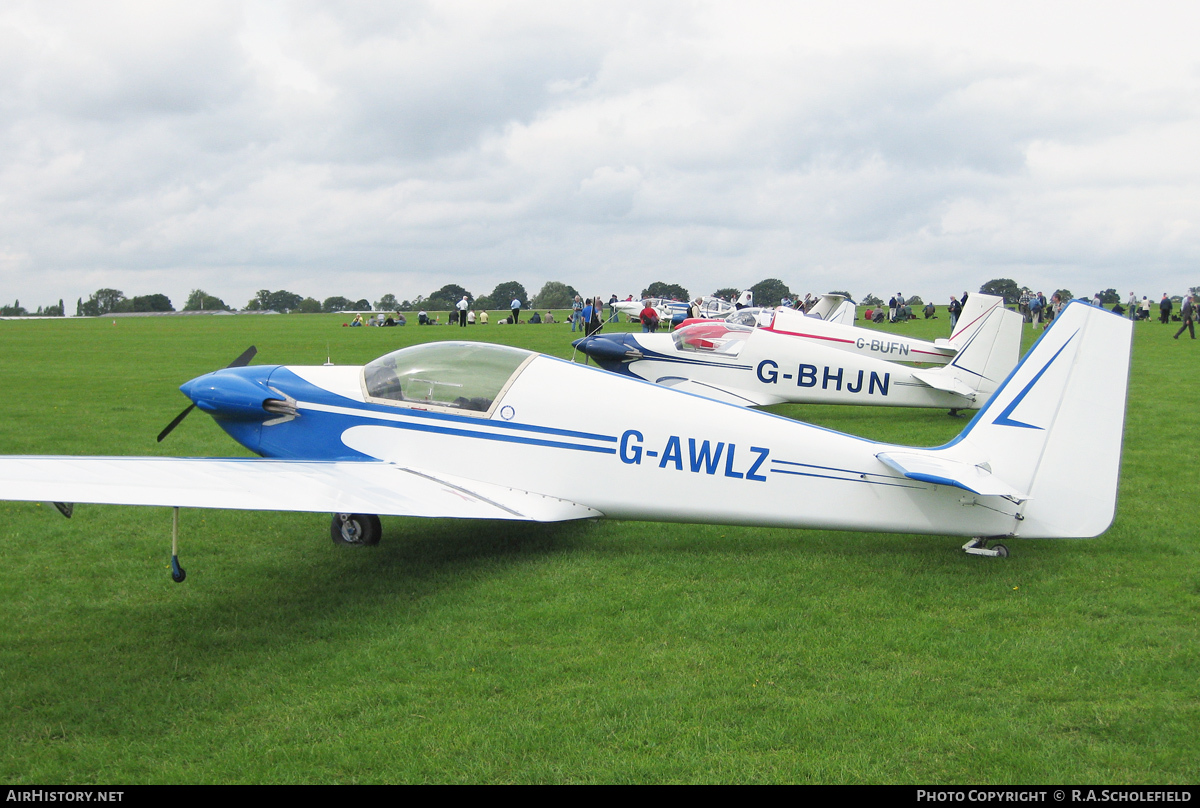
x,y
1136,309
383,319
586,315
1187,311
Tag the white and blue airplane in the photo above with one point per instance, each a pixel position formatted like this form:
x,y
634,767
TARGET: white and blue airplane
x,y
393,437
825,363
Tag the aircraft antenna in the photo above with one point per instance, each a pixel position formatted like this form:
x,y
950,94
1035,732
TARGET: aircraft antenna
x,y
328,359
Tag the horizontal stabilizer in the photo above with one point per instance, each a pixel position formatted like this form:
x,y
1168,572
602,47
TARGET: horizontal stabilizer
x,y
274,485
940,380
978,479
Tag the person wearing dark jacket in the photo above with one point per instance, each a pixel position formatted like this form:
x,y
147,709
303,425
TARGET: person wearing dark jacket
x,y
1188,312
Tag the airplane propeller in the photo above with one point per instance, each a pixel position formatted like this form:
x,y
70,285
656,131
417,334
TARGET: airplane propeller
x,y
241,361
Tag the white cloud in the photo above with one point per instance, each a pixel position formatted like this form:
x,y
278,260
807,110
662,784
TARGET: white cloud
x,y
356,150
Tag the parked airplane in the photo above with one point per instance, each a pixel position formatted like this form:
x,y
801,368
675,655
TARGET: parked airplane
x,y
830,308
673,312
1040,460
756,366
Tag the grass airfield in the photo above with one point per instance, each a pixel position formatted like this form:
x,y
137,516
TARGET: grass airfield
x,y
594,652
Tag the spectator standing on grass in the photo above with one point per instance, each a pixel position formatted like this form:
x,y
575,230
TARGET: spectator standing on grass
x,y
1132,303
463,305
585,315
596,321
515,306
955,310
577,313
1188,312
1164,309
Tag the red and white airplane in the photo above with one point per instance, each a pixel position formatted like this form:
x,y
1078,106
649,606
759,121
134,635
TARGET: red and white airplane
x,y
802,359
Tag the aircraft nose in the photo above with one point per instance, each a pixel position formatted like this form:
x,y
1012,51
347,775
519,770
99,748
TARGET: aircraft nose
x,y
233,393
610,350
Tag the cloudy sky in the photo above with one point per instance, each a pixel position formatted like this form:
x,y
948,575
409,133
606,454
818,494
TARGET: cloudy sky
x,y
362,148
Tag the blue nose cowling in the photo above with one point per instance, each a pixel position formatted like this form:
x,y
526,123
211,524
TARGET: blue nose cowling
x,y
611,351
233,393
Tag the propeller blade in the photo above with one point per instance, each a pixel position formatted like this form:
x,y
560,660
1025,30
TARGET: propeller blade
x,y
244,359
175,423
240,362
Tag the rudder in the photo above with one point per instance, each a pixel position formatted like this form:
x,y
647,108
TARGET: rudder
x,y
1054,428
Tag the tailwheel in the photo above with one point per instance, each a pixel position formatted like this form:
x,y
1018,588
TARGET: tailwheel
x,y
355,529
979,547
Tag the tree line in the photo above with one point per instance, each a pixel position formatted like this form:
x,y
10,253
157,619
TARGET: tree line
x,y
553,295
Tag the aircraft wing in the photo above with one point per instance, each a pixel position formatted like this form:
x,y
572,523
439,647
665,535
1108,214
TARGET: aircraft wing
x,y
371,487
741,398
930,468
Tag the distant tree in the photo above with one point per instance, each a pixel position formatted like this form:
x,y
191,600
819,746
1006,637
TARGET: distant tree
x,y
105,301
1109,296
915,300
727,294
670,291
362,304
309,305
1064,295
1002,287
871,300
446,298
332,304
555,295
486,302
769,292
200,300
15,310
282,301
387,303
158,302
505,293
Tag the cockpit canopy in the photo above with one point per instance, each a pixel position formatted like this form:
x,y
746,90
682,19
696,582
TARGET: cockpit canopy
x,y
725,339
455,375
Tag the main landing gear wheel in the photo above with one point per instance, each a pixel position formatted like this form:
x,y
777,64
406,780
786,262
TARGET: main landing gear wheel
x,y
355,529
980,547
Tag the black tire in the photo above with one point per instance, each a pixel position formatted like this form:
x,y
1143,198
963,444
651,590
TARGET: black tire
x,y
355,529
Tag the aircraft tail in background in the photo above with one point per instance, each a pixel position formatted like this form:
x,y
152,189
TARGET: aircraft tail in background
x,y
986,355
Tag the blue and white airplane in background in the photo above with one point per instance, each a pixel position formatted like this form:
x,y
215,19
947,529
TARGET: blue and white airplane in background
x,y
824,363
402,434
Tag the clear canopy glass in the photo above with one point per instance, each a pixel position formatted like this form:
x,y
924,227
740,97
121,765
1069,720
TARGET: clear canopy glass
x,y
456,375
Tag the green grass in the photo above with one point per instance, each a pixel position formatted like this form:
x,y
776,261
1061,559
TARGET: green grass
x,y
590,652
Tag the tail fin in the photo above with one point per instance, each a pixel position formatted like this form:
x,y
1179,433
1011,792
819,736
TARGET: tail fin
x,y
986,356
844,314
1053,430
974,313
